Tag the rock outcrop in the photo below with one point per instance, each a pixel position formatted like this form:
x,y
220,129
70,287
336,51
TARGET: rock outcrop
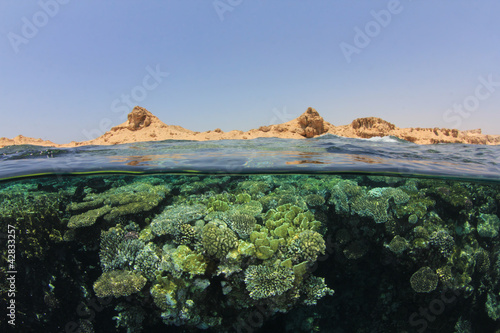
x,y
371,126
142,125
311,124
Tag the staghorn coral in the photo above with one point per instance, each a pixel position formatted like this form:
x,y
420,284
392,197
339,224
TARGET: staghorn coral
x,y
424,280
267,281
187,235
218,240
492,306
147,261
119,283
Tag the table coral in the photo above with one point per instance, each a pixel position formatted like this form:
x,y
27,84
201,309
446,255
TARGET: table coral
x,y
124,200
119,283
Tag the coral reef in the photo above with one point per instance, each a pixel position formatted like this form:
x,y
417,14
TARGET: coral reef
x,y
214,252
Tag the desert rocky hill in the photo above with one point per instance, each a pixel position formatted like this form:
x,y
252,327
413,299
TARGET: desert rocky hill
x,y
142,125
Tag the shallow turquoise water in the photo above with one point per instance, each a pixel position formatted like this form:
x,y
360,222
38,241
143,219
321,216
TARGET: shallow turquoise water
x,y
320,235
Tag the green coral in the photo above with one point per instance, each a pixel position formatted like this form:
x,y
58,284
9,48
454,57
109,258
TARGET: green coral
x,y
493,306
119,283
398,244
267,281
281,227
314,200
133,198
424,280
242,224
188,261
172,218
243,198
488,225
88,218
375,203
36,216
342,193
315,288
308,245
218,240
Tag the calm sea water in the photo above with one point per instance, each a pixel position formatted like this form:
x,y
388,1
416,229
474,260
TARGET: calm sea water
x,y
320,235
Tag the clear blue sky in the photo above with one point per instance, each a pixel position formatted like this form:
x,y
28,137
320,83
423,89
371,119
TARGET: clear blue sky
x,y
67,66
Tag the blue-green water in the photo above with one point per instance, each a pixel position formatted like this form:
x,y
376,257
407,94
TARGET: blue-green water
x,y
325,154
317,235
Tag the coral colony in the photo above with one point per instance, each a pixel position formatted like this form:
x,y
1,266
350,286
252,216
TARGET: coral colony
x,y
210,252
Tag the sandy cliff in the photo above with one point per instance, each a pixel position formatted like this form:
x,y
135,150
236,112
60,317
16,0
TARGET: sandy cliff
x,y
142,125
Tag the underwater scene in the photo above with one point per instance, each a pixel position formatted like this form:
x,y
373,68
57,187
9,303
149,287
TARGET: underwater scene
x,y
323,235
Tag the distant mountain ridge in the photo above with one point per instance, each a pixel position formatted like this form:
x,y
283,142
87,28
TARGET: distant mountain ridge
x,y
142,125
